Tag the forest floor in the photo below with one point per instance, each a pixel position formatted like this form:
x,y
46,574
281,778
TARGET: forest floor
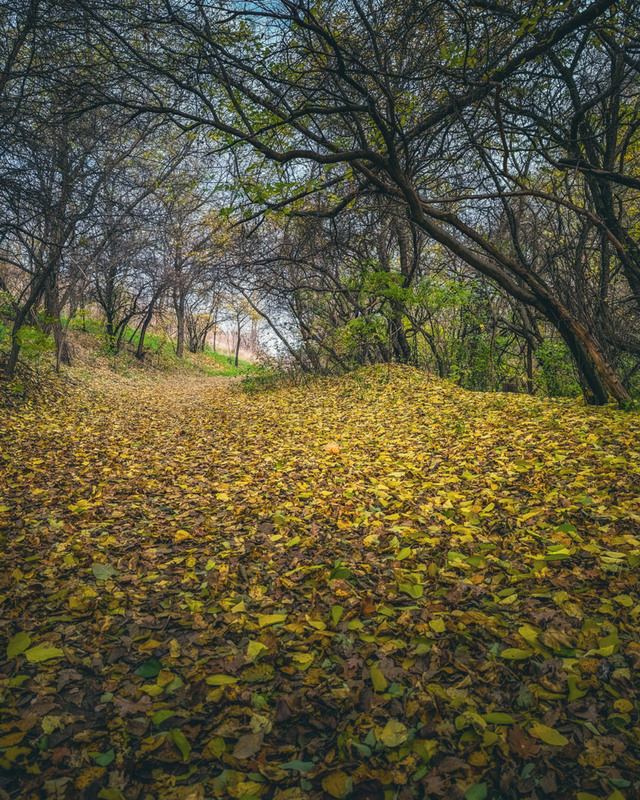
x,y
373,587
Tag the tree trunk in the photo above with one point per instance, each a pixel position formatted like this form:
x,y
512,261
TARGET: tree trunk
x,y
110,333
239,330
399,343
12,363
143,331
598,374
53,323
529,358
21,316
179,307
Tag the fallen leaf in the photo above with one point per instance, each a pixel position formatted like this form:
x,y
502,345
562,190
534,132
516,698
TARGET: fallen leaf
x,y
248,745
18,644
393,734
548,735
181,743
337,784
43,653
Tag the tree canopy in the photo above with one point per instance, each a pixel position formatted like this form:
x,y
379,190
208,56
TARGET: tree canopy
x,y
499,139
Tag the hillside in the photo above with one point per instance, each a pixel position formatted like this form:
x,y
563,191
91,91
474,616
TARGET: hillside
x,y
90,356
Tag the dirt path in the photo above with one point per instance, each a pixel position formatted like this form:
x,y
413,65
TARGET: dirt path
x,y
367,586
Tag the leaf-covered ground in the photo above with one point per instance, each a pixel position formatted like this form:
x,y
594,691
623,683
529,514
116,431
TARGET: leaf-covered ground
x,y
373,587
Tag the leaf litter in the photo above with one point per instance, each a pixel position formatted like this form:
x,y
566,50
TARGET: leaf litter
x,y
370,587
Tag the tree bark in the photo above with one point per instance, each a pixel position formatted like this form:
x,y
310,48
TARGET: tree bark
x,y
143,331
238,332
53,323
529,358
179,309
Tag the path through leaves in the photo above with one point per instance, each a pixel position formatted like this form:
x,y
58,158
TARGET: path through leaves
x,y
372,587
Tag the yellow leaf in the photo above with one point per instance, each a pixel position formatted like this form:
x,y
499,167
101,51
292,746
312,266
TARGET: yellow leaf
x,y
220,680
548,735
42,653
152,689
18,644
393,734
515,653
150,644
12,739
337,784
437,625
270,619
51,723
378,680
303,660
529,634
624,600
245,789
254,649
165,677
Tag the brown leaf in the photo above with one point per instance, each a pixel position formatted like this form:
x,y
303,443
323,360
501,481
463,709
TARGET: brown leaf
x,y
248,745
521,744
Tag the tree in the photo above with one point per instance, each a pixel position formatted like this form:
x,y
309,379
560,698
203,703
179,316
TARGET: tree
x,y
370,97
57,168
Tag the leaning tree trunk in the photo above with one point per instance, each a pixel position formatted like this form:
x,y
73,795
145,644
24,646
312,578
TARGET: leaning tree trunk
x,y
23,313
589,355
524,285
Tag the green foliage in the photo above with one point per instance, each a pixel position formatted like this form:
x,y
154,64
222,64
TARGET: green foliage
x,y
225,364
33,342
556,370
632,405
6,308
362,331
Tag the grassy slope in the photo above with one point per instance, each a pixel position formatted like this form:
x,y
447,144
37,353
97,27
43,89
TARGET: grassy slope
x,y
402,583
159,353
36,376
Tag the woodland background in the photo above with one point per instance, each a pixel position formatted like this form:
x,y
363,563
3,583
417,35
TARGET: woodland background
x,y
450,185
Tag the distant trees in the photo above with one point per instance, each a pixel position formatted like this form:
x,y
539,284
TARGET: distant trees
x,y
84,215
334,291
57,169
